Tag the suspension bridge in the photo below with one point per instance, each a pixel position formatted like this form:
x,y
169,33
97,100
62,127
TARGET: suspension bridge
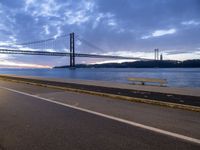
x,y
50,47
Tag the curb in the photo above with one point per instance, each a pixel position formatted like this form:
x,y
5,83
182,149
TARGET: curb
x,y
126,98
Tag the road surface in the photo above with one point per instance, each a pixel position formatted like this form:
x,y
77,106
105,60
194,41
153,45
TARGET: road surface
x,y
38,118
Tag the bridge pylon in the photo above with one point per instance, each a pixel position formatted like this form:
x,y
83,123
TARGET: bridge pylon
x,y
72,50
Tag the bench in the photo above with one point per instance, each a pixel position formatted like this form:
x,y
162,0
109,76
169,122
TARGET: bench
x,y
142,81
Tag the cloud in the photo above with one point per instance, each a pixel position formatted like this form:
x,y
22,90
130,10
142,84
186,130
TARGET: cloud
x,y
59,32
77,18
190,22
163,32
113,25
108,19
7,23
3,27
80,13
46,29
182,56
125,53
197,52
7,60
97,20
111,61
42,8
159,33
5,56
173,52
7,64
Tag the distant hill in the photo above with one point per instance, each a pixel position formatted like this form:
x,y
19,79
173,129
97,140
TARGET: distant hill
x,y
143,64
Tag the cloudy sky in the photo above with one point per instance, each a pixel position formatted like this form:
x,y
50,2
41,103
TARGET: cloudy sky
x,y
118,27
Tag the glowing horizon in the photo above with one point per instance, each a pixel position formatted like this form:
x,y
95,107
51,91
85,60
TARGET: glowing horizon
x,y
9,64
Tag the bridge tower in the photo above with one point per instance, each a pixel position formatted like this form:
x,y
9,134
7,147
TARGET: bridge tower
x,y
72,50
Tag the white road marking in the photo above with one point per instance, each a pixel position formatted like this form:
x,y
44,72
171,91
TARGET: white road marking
x,y
157,130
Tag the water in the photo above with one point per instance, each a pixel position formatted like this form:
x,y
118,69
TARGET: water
x,y
176,77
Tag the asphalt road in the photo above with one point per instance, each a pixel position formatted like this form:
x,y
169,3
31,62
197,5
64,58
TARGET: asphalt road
x,y
27,122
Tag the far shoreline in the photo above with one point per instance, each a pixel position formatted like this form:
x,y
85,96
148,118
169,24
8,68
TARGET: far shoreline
x,y
143,64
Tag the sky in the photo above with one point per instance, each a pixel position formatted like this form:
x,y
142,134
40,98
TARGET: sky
x,y
131,28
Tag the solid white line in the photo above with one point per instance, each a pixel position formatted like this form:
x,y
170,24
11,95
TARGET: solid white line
x,y
168,133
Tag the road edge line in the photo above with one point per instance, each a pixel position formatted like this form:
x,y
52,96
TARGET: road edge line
x,y
157,130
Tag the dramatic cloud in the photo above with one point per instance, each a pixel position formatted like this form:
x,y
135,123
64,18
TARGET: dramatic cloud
x,y
118,27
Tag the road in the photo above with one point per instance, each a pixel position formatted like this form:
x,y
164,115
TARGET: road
x,y
33,117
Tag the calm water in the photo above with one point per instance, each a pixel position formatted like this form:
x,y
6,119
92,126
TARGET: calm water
x,y
176,77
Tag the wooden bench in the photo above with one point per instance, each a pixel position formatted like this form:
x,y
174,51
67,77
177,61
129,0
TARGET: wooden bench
x,y
142,81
